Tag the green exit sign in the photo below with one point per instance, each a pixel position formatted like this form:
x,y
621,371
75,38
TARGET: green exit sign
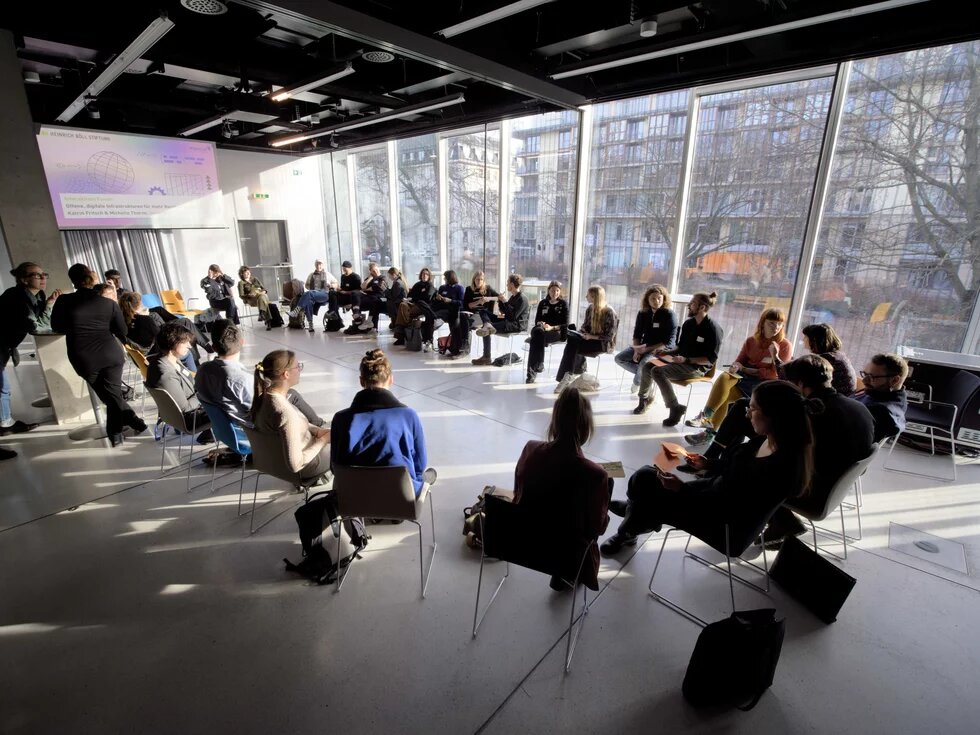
x,y
260,196
297,172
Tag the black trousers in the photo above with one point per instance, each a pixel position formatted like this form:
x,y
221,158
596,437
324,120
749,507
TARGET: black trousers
x,y
733,430
336,299
361,301
576,350
448,312
698,507
107,385
226,305
539,340
500,324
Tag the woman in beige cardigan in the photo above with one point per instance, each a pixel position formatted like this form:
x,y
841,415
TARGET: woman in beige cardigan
x,y
306,446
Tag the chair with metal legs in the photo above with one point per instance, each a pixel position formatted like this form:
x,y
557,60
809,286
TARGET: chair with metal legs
x,y
233,437
835,501
387,493
172,416
730,548
511,533
269,458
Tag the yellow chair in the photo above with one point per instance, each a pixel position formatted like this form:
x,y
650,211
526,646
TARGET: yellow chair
x,y
689,383
174,303
139,360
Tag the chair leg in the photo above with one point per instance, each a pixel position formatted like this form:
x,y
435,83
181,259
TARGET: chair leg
x,y
663,600
477,618
574,631
426,574
214,467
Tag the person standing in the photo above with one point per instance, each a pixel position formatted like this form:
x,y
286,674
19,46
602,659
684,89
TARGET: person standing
x,y
217,288
252,292
92,325
25,309
550,326
695,354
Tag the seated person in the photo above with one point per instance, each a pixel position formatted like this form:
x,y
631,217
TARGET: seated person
x,y
596,335
478,299
842,435
145,325
217,288
753,479
166,371
884,393
445,305
570,491
421,293
252,292
655,329
758,360
372,292
350,283
306,445
319,279
393,298
696,352
514,313
224,382
377,430
305,302
550,326
114,278
821,339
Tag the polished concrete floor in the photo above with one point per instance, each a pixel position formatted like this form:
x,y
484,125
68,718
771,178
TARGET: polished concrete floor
x,y
129,605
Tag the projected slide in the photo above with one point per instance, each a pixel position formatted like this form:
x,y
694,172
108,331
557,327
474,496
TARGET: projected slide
x,y
109,180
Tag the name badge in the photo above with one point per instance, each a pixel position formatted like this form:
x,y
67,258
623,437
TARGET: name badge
x,y
767,361
656,325
700,339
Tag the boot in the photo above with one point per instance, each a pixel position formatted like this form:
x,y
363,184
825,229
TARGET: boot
x,y
676,414
643,406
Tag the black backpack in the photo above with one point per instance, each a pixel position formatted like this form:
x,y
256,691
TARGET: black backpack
x,y
332,324
318,531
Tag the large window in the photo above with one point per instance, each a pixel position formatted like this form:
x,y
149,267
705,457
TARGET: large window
x,y
633,195
896,262
473,186
750,193
418,204
336,214
373,213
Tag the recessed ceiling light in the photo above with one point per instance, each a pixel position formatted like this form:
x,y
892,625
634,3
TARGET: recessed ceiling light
x,y
378,57
205,7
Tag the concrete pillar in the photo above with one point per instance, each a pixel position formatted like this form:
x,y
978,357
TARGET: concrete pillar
x,y
26,212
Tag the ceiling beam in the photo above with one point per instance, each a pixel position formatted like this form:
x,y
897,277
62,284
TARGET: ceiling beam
x,y
343,21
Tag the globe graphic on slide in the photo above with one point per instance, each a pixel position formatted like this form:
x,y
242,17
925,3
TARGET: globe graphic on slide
x,y
110,172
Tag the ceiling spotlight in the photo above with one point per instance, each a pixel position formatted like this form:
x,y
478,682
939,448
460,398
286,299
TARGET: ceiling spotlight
x,y
205,7
32,77
378,57
648,28
92,110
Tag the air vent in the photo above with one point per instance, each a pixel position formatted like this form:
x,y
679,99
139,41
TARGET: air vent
x,y
378,57
205,7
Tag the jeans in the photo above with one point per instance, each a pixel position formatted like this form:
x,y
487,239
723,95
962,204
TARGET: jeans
x,y
662,377
625,360
5,414
188,362
308,299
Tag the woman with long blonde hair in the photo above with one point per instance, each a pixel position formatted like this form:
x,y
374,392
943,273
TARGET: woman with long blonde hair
x,y
597,335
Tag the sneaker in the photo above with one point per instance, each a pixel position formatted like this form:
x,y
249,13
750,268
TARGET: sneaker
x,y
565,382
486,331
676,414
634,388
426,347
530,377
643,406
365,325
700,422
616,542
485,360
702,437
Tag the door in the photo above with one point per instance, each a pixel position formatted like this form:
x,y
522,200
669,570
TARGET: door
x,y
265,250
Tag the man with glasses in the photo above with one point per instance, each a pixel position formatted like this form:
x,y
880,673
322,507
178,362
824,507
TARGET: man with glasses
x,y
884,393
25,309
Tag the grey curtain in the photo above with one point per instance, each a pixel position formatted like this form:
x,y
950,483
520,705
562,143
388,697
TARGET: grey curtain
x,y
147,259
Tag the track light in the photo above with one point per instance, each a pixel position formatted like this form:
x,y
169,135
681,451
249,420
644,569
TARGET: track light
x,y
143,43
312,82
203,125
648,28
373,119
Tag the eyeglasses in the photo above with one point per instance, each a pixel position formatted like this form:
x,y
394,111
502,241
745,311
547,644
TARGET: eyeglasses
x,y
750,409
38,275
297,366
868,376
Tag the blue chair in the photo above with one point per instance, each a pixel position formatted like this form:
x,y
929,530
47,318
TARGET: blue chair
x,y
232,436
151,300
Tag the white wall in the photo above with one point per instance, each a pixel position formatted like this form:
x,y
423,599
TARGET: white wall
x,y
293,186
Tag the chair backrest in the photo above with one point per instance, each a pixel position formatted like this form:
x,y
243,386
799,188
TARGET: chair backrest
x,y
169,410
843,485
173,301
880,312
959,389
138,358
228,433
269,455
518,534
151,300
375,492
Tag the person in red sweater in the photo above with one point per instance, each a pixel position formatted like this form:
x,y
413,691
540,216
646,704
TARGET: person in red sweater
x,y
758,360
570,492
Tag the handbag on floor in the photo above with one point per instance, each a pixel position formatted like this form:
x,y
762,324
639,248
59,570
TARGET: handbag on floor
x,y
318,532
734,660
810,579
413,338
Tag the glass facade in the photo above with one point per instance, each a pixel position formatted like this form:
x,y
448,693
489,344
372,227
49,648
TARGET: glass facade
x,y
720,203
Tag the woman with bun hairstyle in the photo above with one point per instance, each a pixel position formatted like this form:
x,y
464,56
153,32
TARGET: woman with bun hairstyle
x,y
306,446
821,339
378,430
744,487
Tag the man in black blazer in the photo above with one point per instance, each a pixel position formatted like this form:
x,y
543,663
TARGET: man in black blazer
x,y
94,327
